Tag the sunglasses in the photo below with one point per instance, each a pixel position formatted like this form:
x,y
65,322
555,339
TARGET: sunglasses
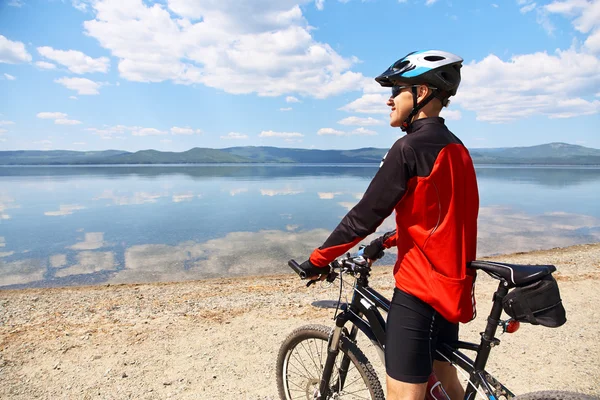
x,y
397,89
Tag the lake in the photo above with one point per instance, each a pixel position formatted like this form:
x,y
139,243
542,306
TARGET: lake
x,y
72,225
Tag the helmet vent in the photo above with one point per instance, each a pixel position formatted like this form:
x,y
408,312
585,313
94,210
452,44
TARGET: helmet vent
x,y
434,58
401,65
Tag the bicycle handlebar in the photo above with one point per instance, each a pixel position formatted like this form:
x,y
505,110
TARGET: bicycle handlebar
x,y
306,272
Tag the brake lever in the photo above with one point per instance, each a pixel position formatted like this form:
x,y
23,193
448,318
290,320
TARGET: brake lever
x,y
311,282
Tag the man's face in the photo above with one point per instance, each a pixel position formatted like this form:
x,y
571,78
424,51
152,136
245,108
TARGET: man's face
x,y
402,103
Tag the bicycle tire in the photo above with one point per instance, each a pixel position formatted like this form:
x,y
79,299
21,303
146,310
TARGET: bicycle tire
x,y
555,395
320,334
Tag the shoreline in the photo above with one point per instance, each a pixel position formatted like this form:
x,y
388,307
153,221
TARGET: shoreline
x,y
524,255
218,338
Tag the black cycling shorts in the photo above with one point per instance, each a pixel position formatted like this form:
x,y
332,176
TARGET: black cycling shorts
x,y
414,329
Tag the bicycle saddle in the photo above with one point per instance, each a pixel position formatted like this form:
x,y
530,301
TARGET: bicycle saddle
x,y
514,274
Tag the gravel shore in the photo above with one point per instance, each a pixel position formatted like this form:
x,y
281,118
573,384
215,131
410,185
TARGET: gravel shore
x,y
218,338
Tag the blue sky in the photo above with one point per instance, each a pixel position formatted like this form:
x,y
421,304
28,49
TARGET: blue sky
x,y
176,74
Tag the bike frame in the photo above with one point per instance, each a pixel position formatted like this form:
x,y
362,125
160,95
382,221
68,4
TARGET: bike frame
x,y
363,312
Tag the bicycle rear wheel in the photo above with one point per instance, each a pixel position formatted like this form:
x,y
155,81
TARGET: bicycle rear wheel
x,y
555,395
300,366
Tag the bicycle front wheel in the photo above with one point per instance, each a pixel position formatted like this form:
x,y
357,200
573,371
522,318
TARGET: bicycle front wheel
x,y
300,367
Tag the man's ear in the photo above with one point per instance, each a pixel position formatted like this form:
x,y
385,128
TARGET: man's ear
x,y
423,91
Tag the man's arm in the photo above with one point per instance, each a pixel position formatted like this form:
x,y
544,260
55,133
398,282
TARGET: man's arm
x,y
384,192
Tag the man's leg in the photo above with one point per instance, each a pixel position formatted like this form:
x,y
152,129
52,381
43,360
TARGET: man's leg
x,y
408,347
446,373
397,390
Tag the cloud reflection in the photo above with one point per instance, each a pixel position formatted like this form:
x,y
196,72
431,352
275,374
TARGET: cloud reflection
x,y
178,198
2,241
58,260
235,192
21,271
280,192
137,198
92,241
328,195
6,202
64,209
89,262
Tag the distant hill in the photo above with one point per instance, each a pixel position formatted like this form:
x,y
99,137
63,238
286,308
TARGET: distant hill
x,y
552,153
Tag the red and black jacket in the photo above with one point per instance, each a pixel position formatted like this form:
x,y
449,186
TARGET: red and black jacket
x,y
428,178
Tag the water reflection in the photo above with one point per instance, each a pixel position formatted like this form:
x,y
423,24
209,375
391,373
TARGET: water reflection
x,y
182,222
501,230
560,176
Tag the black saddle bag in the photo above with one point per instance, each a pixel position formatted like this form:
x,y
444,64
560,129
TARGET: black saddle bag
x,y
538,303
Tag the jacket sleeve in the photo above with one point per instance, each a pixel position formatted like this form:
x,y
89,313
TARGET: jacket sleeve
x,y
384,192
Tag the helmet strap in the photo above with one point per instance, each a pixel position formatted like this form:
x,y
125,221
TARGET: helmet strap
x,y
407,124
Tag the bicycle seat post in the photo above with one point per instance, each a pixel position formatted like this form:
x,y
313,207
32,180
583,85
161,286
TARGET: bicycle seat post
x,y
487,338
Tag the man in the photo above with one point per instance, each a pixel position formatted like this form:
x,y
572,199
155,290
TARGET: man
x,y
428,178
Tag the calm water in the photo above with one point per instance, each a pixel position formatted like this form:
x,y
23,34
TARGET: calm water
x,y
84,225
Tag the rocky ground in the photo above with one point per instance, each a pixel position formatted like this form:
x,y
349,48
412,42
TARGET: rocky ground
x,y
218,339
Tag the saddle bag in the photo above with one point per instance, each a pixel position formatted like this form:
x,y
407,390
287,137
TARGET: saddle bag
x,y
538,303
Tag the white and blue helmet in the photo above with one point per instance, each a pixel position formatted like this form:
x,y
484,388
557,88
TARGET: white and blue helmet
x,y
436,68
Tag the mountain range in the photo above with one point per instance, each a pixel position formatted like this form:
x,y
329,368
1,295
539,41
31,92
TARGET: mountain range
x,y
545,154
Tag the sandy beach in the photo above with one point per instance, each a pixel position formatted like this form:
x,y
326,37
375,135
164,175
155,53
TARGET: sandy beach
x,y
218,338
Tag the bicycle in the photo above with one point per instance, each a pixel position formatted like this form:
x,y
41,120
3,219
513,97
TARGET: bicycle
x,y
317,362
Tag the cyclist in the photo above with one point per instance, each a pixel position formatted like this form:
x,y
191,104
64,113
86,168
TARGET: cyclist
x,y
428,179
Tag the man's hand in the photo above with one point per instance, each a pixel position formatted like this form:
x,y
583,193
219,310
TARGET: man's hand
x,y
307,265
374,251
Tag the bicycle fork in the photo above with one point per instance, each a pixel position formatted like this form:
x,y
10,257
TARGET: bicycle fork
x,y
333,349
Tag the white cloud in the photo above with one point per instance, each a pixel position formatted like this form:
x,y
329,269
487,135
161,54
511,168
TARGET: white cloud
x,y
216,44
108,132
12,123
64,121
554,85
335,132
585,16
45,65
330,131
291,99
495,5
76,61
283,135
430,2
9,77
285,109
320,4
528,8
81,85
184,131
358,121
16,3
80,5
363,132
235,136
51,115
13,52
369,104
454,115
147,132
3,131
73,97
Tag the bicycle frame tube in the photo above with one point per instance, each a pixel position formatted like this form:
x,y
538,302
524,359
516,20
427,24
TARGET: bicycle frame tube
x,y
365,302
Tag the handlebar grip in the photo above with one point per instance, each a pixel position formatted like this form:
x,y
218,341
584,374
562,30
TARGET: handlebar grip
x,y
305,273
297,269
